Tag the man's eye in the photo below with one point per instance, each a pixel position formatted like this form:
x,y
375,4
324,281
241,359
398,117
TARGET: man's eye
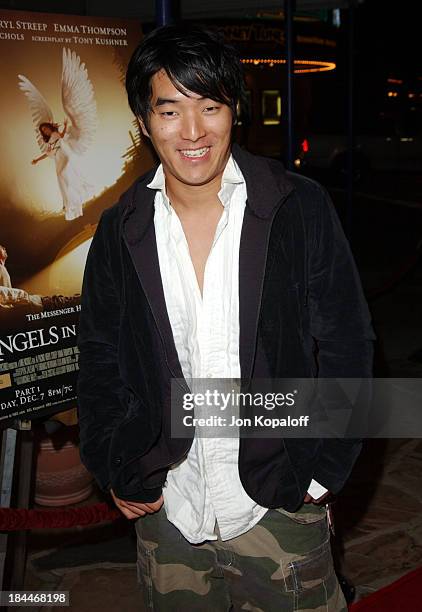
x,y
168,113
210,109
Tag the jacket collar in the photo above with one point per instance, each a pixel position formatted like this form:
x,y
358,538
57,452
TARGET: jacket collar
x,y
264,190
138,209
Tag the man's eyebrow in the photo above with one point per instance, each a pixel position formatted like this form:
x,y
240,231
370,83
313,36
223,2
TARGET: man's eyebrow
x,y
162,101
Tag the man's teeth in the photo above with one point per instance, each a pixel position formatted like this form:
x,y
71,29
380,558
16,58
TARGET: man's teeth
x,y
195,152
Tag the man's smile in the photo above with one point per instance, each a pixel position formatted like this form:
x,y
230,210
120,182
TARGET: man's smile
x,y
195,153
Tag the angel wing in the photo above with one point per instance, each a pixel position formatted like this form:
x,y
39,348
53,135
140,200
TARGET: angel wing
x,y
41,112
78,102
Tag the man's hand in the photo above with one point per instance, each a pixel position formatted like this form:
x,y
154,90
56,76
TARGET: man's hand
x,y
133,510
321,500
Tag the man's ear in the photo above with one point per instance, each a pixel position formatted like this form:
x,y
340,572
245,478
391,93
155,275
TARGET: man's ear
x,y
143,128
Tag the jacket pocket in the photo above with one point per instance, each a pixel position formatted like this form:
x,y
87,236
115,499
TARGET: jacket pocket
x,y
131,438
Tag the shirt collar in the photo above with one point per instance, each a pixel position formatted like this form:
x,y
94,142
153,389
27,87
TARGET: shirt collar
x,y
231,176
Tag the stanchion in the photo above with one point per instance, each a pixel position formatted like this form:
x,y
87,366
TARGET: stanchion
x,y
18,437
6,474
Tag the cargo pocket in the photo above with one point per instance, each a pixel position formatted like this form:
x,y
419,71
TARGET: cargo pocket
x,y
310,577
314,581
308,573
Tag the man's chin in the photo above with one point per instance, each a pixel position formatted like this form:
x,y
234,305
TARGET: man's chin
x,y
196,181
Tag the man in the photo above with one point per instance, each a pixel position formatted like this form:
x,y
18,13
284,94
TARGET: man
x,y
217,264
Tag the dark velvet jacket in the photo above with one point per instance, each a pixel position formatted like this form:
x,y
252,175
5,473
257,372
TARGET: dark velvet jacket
x,y
299,295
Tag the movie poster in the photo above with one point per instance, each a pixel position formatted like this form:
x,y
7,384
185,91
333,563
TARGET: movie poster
x,y
69,148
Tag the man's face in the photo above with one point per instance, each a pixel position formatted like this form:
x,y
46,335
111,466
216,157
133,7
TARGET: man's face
x,y
191,134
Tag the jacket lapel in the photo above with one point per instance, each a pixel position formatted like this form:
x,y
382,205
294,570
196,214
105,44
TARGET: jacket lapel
x,y
265,196
139,235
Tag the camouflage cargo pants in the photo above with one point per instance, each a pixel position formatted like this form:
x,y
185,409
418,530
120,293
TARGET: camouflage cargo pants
x,y
284,564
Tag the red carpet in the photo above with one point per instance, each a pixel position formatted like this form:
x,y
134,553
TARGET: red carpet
x,y
404,595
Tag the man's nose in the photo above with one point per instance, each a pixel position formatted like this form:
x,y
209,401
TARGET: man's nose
x,y
193,127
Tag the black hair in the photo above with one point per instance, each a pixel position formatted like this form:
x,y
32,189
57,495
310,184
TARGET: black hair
x,y
195,59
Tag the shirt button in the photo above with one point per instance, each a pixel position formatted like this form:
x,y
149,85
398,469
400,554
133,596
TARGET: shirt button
x,y
117,460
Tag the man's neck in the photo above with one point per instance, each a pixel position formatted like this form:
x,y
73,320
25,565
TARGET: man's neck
x,y
189,198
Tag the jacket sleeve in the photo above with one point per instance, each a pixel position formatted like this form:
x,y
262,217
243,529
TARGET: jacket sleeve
x,y
340,324
100,388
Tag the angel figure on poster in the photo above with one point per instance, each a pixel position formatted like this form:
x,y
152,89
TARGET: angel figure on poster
x,y
68,144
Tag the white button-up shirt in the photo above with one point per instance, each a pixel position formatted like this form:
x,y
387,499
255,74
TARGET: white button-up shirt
x,y
205,487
